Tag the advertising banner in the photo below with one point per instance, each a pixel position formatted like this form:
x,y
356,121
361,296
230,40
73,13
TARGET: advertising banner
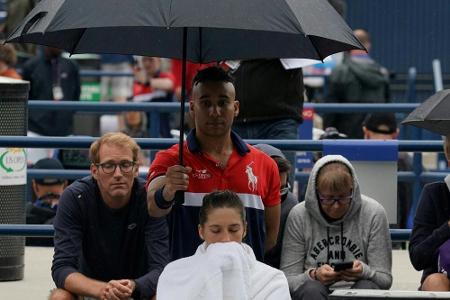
x,y
13,166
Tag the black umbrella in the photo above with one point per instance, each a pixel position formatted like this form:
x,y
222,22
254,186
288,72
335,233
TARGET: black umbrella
x,y
196,30
433,114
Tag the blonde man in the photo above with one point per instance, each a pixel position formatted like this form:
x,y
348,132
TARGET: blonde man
x,y
106,245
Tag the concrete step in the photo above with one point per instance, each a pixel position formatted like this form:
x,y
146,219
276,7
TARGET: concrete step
x,y
37,281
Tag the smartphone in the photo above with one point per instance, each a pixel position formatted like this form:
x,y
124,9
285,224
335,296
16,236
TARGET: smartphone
x,y
340,266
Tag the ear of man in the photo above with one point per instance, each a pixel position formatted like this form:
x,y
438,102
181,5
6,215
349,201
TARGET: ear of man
x,y
94,171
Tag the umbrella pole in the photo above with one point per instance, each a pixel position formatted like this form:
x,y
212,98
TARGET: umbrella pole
x,y
183,97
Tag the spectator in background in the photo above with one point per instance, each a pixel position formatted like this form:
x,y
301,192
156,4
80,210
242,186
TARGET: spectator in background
x,y
136,127
335,224
357,79
383,126
116,88
52,77
8,60
106,245
46,194
152,85
215,158
271,101
191,70
288,200
429,245
136,124
330,133
3,17
223,267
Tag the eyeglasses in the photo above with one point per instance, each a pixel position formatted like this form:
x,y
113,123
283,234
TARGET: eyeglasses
x,y
328,201
109,168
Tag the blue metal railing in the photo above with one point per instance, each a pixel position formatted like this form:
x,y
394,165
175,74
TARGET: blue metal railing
x,y
175,107
299,176
295,145
77,142
48,231
157,143
100,73
27,230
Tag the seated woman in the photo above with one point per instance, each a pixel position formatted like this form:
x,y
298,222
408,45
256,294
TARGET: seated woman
x,y
337,237
429,245
223,267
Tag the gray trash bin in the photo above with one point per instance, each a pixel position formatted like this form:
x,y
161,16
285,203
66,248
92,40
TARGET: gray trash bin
x,y
13,187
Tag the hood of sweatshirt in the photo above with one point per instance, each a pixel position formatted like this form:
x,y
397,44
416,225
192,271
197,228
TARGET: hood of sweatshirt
x,y
312,202
311,240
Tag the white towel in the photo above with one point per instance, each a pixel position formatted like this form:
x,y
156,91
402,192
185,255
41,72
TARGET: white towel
x,y
221,271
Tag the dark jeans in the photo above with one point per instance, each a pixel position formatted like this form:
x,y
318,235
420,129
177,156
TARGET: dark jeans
x,y
313,289
164,125
283,129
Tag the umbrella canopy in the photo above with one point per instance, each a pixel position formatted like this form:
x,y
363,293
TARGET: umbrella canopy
x,y
216,30
433,114
197,30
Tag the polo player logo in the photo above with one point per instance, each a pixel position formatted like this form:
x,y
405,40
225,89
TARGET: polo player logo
x,y
252,179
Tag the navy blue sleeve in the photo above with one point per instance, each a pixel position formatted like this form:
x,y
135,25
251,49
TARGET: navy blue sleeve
x,y
67,239
428,234
157,241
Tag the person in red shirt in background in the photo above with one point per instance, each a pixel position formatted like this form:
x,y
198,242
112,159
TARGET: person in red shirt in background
x,y
8,59
153,85
191,71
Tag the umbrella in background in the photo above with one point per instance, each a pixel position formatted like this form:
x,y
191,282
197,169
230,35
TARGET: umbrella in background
x,y
196,30
433,114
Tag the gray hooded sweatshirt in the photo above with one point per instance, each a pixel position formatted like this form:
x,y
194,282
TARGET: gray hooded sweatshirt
x,y
361,234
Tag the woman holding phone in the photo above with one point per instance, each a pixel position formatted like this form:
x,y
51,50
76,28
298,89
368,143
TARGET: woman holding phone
x,y
223,267
337,237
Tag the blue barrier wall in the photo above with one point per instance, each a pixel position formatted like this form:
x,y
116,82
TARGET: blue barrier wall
x,y
405,33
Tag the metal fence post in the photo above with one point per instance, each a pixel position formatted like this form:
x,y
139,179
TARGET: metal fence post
x,y
13,179
411,86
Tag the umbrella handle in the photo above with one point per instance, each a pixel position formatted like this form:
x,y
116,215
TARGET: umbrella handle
x,y
179,198
179,195
183,98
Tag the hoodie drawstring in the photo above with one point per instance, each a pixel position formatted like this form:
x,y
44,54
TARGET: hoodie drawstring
x,y
328,245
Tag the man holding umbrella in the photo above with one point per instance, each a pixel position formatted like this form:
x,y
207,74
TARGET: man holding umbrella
x,y
215,159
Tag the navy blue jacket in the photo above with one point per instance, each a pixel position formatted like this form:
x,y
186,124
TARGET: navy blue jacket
x,y
40,72
90,239
431,228
273,256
